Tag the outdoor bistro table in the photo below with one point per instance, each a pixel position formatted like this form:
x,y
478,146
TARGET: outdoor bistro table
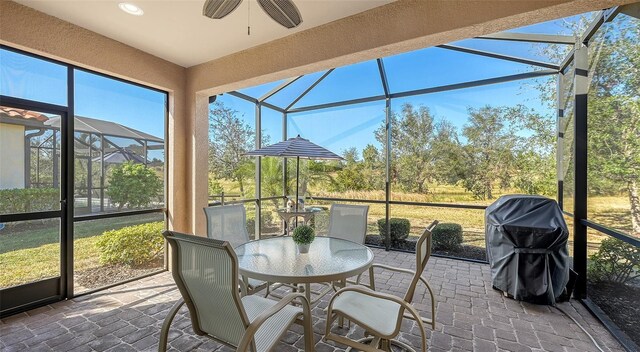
x,y
306,214
277,260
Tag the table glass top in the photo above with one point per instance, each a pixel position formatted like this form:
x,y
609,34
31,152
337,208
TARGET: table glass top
x,y
305,210
277,259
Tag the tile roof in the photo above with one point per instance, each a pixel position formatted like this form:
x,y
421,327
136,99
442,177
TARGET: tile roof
x,y
23,114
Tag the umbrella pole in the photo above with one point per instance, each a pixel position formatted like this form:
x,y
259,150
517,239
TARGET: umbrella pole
x,y
297,184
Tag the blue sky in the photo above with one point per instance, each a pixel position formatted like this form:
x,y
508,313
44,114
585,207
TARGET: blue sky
x,y
95,96
353,126
336,129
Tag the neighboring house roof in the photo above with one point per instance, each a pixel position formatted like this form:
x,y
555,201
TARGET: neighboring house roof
x,y
89,125
81,124
22,114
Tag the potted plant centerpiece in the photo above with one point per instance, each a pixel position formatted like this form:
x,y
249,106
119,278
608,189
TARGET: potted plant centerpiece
x,y
303,236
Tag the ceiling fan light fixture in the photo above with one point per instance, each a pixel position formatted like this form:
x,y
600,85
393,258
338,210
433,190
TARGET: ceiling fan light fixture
x,y
284,12
131,9
217,9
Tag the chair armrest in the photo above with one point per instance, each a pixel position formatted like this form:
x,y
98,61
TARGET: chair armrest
x,y
401,270
247,338
366,291
391,268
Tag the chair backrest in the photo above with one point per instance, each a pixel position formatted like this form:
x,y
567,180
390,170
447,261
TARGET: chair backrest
x,y
423,253
227,223
348,222
206,273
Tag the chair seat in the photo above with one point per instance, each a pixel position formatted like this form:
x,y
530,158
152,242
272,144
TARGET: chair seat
x,y
379,315
269,333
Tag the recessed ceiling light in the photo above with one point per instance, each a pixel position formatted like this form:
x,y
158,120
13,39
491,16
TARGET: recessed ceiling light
x,y
130,8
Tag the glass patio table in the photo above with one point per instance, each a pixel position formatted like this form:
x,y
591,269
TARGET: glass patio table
x,y
277,260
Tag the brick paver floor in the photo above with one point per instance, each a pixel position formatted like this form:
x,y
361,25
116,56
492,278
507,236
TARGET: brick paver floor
x,y
471,316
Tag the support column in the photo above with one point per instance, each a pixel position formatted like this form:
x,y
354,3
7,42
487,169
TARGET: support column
x,y
560,139
388,170
258,176
103,170
581,86
284,160
54,158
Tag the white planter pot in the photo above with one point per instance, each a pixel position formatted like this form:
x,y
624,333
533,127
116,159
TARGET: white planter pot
x,y
303,248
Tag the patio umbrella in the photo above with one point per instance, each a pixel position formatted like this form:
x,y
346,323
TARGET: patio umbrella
x,y
120,156
297,147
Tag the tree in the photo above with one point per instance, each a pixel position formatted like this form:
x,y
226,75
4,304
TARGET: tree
x,y
351,176
614,112
133,184
229,140
373,168
488,151
272,179
414,147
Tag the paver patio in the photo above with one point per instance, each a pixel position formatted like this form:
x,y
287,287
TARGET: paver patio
x,y
471,316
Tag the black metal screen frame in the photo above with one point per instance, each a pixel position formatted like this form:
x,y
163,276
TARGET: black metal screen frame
x,y
66,212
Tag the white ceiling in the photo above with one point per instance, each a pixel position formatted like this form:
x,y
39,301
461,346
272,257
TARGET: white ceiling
x,y
178,32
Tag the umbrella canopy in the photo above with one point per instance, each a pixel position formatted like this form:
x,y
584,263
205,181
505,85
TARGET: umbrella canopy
x,y
119,157
297,147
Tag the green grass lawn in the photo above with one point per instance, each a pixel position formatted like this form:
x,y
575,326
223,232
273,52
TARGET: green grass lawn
x,y
32,252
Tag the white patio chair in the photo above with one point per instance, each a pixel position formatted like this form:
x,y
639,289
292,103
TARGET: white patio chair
x,y
348,222
229,223
381,314
206,273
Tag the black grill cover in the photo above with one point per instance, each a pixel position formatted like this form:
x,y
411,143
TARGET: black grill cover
x,y
526,238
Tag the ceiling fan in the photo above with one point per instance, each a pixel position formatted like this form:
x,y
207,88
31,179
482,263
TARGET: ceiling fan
x,y
284,12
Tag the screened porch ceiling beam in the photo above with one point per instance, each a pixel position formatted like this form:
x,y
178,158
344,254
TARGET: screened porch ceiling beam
x,y
444,88
500,56
603,17
324,75
592,28
478,83
280,87
383,77
251,99
243,96
567,61
531,38
338,103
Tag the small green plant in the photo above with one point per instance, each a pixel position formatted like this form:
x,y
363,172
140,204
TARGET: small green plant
x,y
447,236
133,184
400,229
303,234
25,200
131,245
615,261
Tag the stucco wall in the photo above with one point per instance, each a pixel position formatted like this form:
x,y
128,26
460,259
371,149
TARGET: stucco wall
x,y
27,29
11,156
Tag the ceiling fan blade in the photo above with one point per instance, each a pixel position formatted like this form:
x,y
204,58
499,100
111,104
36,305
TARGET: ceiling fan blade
x,y
217,9
284,12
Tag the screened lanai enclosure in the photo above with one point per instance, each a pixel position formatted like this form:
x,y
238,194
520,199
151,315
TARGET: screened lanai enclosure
x,y
99,146
440,133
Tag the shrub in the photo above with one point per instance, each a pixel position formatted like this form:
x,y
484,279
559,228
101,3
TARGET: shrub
x,y
615,261
132,245
399,229
25,200
133,184
447,236
303,234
